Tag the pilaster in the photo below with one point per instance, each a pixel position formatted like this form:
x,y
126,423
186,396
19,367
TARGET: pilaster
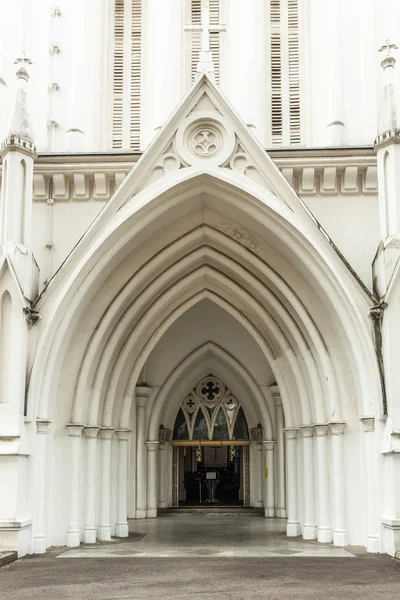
x,y
142,394
73,529
340,533
323,484
90,529
122,528
310,528
152,478
39,522
280,479
269,486
106,435
293,524
371,484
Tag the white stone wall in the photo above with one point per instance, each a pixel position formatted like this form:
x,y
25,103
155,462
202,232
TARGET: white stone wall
x,y
340,71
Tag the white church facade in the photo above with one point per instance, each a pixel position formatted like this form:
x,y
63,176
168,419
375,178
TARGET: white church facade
x,y
199,267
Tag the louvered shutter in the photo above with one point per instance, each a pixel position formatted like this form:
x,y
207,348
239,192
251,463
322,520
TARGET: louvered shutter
x,y
285,72
127,67
118,74
195,44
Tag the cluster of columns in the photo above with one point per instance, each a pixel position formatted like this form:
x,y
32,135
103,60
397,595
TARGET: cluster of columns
x,y
96,520
324,526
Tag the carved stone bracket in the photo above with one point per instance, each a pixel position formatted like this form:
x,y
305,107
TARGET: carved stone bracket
x,y
32,315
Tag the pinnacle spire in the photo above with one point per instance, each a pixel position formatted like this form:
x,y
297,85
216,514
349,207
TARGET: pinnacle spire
x,y
388,121
20,134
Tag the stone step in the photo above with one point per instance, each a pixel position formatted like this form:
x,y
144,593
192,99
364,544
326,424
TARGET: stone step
x,y
7,557
211,511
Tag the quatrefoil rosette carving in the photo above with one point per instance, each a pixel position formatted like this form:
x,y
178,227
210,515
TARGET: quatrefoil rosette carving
x,y
210,390
203,137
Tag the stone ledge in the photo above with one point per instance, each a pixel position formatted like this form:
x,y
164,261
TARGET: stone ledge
x,y
7,557
391,523
13,525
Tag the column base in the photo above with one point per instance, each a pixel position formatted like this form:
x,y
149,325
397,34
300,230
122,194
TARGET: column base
x,y
140,513
105,533
73,539
373,544
340,538
269,512
39,544
324,535
310,532
89,535
281,513
292,529
151,513
122,530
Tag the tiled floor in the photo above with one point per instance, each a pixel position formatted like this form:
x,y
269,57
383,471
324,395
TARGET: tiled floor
x,y
200,536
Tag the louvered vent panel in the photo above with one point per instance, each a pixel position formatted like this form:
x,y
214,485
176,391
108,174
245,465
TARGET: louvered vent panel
x,y
276,74
294,72
127,63
136,70
118,74
285,66
196,37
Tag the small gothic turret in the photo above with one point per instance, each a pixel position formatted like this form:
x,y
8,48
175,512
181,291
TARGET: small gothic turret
x,y
18,153
388,149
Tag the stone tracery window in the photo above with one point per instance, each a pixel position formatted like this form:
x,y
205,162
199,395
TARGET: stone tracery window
x,y
210,412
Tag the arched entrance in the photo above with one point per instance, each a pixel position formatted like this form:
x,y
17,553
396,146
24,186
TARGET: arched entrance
x,y
211,458
203,265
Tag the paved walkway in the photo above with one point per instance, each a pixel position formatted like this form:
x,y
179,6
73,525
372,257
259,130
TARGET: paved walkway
x,y
263,565
194,536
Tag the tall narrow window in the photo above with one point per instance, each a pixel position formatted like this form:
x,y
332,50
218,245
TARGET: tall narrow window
x,y
285,72
126,80
5,345
194,15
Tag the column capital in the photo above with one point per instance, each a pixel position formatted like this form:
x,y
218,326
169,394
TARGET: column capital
x,y
142,393
276,394
152,445
337,428
291,433
75,429
91,431
321,430
106,433
307,431
368,424
42,425
122,434
268,444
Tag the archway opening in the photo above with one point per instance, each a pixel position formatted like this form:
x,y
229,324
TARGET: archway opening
x,y
211,458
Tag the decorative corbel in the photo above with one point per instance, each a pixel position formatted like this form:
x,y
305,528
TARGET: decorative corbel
x,y
32,315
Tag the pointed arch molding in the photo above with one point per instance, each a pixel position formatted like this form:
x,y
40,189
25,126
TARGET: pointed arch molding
x,y
204,231
209,357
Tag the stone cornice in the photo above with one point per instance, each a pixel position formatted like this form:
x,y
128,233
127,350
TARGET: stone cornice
x,y
325,171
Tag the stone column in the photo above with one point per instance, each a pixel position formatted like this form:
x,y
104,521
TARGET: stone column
x,y
142,394
162,492
122,528
105,493
370,473
73,529
269,475
90,529
293,524
152,478
310,528
39,524
280,497
340,534
324,518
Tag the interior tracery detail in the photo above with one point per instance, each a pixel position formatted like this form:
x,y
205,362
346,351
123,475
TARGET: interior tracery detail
x,y
211,411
